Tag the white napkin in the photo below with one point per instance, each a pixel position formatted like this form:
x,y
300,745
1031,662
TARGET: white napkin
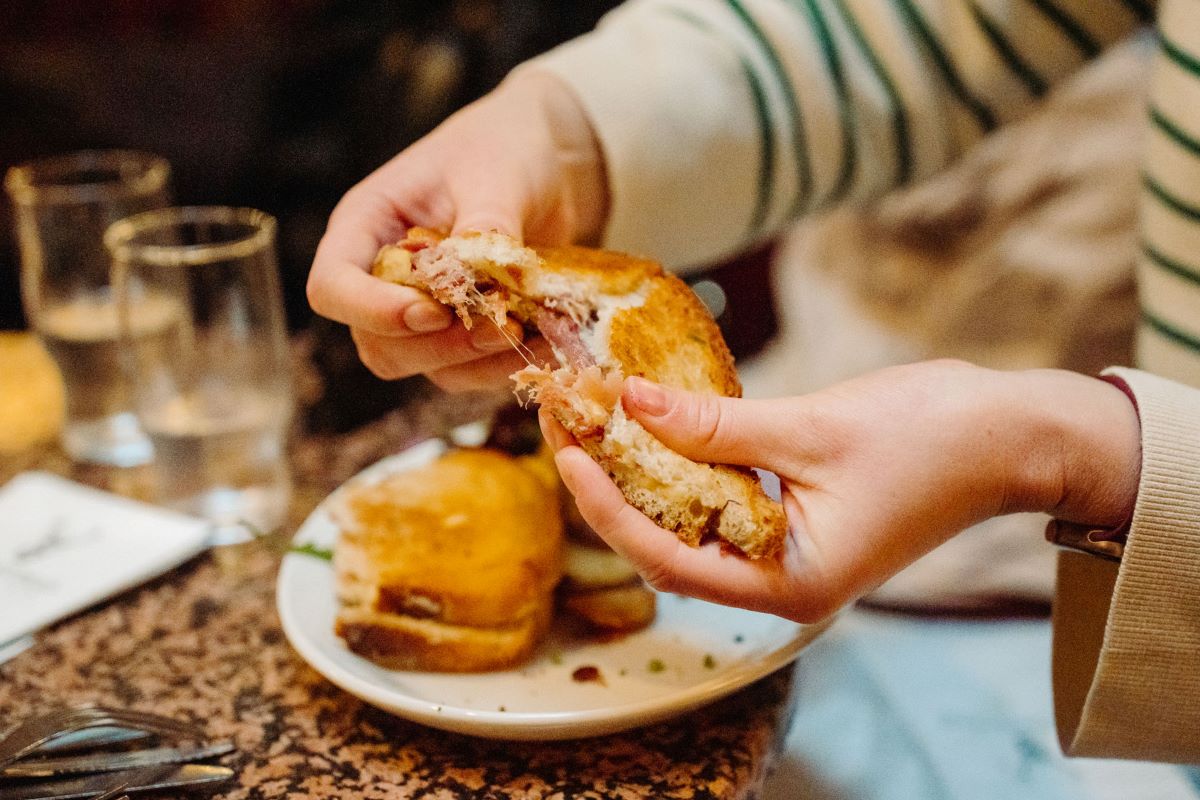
x,y
65,546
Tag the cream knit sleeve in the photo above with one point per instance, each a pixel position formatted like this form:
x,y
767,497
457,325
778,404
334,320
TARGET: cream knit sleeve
x,y
722,120
1127,638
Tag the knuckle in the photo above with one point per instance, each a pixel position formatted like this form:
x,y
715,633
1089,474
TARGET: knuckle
x,y
660,575
709,421
605,517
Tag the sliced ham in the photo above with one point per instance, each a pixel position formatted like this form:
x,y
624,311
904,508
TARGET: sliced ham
x,y
562,333
585,399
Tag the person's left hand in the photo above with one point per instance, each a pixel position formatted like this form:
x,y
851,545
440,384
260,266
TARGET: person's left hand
x,y
874,472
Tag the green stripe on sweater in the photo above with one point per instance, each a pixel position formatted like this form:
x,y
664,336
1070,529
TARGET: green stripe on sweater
x,y
1177,134
803,166
766,128
1180,56
1169,331
833,62
1035,84
920,28
1140,9
1177,268
900,131
1169,200
1078,35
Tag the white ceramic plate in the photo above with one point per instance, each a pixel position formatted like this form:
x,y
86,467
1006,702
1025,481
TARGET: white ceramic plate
x,y
694,653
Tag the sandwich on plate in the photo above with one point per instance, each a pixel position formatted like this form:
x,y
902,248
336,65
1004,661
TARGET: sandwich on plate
x,y
449,567
606,316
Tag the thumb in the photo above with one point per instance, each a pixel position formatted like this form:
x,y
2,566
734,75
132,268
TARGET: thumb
x,y
719,430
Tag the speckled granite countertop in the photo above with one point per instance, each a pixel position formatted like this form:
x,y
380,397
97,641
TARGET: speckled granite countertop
x,y
204,642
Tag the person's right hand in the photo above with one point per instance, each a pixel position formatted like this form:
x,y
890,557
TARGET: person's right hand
x,y
522,161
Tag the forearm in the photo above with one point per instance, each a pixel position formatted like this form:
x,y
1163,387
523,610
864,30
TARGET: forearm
x,y
723,119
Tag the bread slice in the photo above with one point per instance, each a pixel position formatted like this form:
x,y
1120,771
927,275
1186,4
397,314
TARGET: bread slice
x,y
607,316
397,641
451,566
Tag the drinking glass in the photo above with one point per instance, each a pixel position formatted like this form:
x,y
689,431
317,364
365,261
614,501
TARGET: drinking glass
x,y
215,394
61,208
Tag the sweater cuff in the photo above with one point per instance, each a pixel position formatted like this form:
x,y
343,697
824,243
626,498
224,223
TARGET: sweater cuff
x,y
1127,636
672,111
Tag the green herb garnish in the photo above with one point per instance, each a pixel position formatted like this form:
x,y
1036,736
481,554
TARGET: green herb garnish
x,y
709,661
310,549
656,665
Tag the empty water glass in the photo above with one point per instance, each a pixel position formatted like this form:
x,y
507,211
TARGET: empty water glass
x,y
214,396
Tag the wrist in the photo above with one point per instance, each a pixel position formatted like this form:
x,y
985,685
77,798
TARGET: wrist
x,y
1079,453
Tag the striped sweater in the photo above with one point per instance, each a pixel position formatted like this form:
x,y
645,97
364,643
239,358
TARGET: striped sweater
x,y
723,120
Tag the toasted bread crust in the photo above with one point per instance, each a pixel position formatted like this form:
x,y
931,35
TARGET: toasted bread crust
x,y
606,271
686,351
399,642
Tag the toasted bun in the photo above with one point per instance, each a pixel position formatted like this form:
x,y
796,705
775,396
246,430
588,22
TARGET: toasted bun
x,y
463,552
607,316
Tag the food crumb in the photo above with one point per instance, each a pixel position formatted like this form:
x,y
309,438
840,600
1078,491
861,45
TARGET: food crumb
x,y
709,661
502,708
588,674
656,665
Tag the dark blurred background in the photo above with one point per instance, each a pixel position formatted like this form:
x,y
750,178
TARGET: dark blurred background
x,y
277,104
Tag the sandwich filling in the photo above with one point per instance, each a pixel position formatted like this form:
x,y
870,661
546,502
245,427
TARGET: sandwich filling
x,y
487,276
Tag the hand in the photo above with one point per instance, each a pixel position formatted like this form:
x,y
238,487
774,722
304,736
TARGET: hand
x,y
523,161
875,472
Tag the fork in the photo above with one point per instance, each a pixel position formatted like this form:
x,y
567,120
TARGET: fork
x,y
32,734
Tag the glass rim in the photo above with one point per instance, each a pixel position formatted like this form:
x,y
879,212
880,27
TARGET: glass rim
x,y
39,181
120,236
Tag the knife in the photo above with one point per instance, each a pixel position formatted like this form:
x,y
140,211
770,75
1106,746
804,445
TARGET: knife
x,y
113,762
138,780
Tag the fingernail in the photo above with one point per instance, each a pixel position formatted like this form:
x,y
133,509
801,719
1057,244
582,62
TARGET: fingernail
x,y
488,337
427,317
647,396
